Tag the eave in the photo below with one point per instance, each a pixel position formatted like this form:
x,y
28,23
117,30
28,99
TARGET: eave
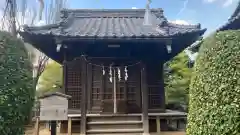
x,y
49,46
234,21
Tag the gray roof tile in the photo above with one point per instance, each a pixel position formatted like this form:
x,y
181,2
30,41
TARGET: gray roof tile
x,y
113,23
236,11
233,21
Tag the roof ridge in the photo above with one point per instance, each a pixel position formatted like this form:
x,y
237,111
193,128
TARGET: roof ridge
x,y
110,9
109,12
198,25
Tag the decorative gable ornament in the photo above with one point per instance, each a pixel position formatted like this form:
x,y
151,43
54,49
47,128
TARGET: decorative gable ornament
x,y
148,14
169,46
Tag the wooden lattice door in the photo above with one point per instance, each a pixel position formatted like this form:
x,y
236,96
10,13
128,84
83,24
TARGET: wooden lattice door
x,y
95,81
121,91
74,83
104,98
133,90
155,88
108,97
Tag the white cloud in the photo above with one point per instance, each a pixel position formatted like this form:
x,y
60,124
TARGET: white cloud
x,y
209,1
182,22
225,3
134,8
228,3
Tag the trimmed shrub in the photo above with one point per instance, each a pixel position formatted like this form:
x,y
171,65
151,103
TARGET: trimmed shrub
x,y
16,90
214,107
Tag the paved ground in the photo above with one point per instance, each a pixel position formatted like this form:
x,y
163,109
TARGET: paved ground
x,y
46,132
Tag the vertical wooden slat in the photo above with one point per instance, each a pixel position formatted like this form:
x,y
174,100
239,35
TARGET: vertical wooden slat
x,y
158,124
69,126
138,86
84,96
102,87
125,85
114,91
37,126
89,82
144,100
65,72
162,106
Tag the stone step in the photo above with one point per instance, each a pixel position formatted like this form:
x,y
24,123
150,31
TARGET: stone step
x,y
104,131
114,118
115,133
113,122
114,126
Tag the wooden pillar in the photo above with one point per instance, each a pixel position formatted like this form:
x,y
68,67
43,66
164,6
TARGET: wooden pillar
x,y
37,126
53,127
84,96
178,123
69,126
144,91
158,124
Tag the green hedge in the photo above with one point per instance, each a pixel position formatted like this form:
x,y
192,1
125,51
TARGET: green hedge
x,y
214,107
16,90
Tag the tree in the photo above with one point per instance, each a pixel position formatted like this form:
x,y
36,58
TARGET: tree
x,y
177,80
16,89
25,12
214,105
52,11
51,78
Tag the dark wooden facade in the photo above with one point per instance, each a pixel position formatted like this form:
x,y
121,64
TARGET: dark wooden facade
x,y
100,91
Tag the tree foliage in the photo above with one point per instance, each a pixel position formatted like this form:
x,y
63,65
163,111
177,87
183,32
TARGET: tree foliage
x,y
178,79
16,89
214,107
51,78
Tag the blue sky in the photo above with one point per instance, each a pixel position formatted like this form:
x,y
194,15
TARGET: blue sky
x,y
210,13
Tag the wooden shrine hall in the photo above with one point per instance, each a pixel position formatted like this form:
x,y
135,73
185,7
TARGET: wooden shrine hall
x,y
113,66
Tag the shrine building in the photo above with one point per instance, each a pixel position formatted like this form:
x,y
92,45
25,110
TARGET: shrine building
x,y
113,66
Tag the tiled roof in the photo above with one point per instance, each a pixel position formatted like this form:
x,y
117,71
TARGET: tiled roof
x,y
54,94
236,12
233,21
115,23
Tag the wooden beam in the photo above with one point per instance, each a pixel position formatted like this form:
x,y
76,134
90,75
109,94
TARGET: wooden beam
x,y
158,124
84,96
144,91
69,126
37,126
